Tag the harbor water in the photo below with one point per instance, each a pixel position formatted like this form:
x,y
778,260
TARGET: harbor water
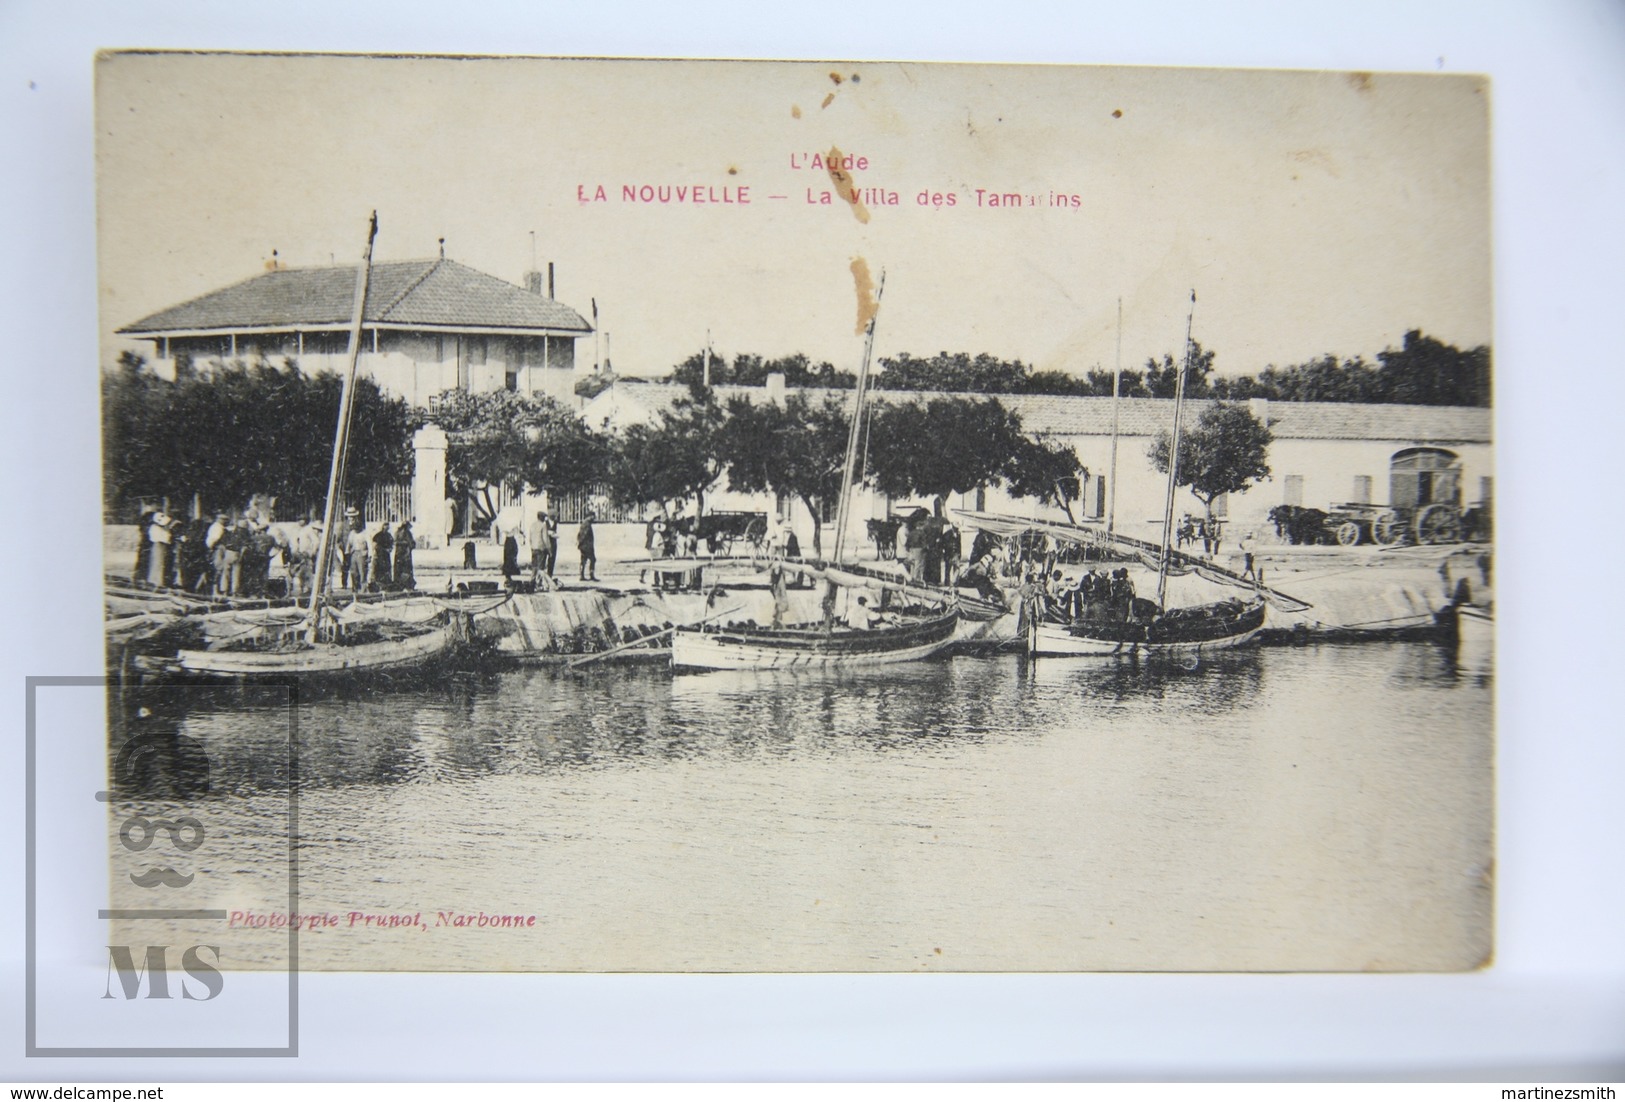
x,y
1325,807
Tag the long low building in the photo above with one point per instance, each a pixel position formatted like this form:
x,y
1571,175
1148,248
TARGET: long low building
x,y
1324,454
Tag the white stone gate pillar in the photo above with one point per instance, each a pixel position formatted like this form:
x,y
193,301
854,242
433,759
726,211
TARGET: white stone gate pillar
x,y
429,486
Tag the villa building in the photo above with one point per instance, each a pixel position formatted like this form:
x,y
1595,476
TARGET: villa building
x,y
428,326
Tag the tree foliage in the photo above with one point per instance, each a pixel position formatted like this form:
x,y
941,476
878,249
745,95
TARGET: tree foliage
x,y
954,445
526,443
674,460
750,369
1224,453
1049,472
1428,372
798,448
232,431
1424,371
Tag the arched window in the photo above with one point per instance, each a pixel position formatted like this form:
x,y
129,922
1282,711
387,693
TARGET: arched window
x,y
1423,476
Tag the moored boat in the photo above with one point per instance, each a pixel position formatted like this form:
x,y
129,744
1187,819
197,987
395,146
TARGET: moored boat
x,y
831,644
1118,624
378,655
1178,632
1475,638
817,647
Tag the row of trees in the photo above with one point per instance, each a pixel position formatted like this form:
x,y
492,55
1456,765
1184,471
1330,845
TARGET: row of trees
x,y
1423,371
226,433
231,432
932,449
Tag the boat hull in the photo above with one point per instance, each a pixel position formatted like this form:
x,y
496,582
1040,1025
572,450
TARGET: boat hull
x,y
389,655
766,649
1171,638
1475,639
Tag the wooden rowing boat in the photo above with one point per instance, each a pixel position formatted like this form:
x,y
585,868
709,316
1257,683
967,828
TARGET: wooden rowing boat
x,y
320,658
811,648
1182,632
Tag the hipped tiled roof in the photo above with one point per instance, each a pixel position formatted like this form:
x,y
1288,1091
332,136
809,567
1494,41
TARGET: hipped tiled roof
x,y
402,293
1071,415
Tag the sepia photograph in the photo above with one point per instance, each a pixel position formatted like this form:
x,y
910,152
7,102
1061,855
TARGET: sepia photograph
x,y
896,544
680,516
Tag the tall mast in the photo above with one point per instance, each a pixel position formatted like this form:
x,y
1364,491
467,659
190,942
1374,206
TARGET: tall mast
x,y
341,437
843,507
1173,461
1117,381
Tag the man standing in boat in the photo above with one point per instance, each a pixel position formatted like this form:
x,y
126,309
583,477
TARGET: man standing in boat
x,y
777,585
357,551
383,555
1122,595
405,544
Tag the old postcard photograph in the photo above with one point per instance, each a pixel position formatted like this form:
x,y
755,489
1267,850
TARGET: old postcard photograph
x,y
717,516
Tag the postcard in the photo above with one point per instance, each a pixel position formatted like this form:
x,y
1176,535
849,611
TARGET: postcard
x,y
713,516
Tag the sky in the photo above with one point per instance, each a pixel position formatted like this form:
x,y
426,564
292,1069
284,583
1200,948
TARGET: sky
x,y
1310,212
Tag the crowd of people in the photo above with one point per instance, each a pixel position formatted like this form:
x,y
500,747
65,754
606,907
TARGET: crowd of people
x,y
248,553
1024,570
928,546
1209,530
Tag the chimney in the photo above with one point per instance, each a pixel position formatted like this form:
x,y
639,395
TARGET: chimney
x,y
550,293
1260,408
775,387
533,282
442,248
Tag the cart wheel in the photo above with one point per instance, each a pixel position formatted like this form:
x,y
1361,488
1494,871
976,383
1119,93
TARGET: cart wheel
x,y
1387,528
1348,533
1438,524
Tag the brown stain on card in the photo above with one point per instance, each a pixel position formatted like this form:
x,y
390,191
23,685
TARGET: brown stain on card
x,y
795,111
829,99
844,187
1316,158
868,305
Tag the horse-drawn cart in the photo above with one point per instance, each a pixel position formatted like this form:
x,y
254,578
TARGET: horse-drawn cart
x,y
723,530
1356,523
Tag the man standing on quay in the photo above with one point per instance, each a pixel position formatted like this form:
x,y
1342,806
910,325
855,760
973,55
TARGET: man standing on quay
x,y
536,536
584,544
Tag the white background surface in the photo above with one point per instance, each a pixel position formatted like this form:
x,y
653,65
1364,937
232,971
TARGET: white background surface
x,y
1552,1006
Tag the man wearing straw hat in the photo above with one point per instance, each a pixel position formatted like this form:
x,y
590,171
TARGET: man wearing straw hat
x,y
357,551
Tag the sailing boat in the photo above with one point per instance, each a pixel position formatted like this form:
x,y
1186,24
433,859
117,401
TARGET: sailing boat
x,y
830,645
1124,626
324,640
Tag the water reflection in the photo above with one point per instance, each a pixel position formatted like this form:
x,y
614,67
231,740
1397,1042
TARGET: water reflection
x,y
545,720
